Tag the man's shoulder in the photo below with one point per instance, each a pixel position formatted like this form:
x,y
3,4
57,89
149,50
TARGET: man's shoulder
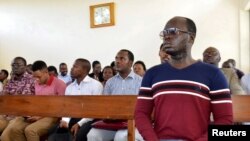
x,y
92,81
207,67
246,77
157,67
113,78
91,74
228,70
58,81
135,76
27,76
138,77
59,76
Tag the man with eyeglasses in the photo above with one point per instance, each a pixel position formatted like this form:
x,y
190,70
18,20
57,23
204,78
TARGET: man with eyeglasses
x,y
182,92
21,83
31,128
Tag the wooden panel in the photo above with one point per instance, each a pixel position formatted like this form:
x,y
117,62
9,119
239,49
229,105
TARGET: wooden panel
x,y
131,130
241,108
110,107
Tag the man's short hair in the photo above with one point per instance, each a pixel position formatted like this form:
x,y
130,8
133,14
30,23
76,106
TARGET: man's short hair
x,y
112,64
85,63
39,65
5,72
130,54
61,64
191,25
21,58
52,68
95,63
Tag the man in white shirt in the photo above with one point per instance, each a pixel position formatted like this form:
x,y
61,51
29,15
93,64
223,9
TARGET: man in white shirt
x,y
83,84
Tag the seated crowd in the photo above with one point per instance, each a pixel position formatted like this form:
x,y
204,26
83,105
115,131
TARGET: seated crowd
x,y
123,77
46,80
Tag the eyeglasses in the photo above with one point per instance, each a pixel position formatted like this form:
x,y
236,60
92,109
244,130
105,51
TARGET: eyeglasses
x,y
17,65
172,32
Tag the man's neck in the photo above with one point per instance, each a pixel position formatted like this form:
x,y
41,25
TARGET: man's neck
x,y
18,77
214,64
63,74
47,79
181,63
96,73
124,74
79,79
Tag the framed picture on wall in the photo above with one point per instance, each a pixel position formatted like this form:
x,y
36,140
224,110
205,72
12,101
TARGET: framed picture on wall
x,y
102,15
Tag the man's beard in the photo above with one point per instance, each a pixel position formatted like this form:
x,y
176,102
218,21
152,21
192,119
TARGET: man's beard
x,y
64,73
176,54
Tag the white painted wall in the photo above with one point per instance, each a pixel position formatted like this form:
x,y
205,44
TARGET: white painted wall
x,y
59,30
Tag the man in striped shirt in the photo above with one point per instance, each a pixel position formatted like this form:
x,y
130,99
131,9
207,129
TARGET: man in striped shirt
x,y
182,92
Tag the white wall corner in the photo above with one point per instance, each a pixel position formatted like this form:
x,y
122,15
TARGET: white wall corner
x,y
244,48
245,4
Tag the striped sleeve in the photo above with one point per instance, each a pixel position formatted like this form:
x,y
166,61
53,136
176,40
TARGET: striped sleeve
x,y
221,100
144,108
145,91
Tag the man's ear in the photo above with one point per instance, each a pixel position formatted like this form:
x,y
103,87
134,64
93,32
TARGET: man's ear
x,y
131,63
219,59
192,37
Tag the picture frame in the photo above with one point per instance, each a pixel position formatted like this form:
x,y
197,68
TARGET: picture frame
x,y
102,15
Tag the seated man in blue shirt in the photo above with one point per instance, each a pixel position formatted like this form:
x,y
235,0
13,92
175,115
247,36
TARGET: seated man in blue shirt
x,y
125,82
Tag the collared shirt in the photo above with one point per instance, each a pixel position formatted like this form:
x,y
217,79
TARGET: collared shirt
x,y
67,78
88,86
54,86
118,86
26,85
245,80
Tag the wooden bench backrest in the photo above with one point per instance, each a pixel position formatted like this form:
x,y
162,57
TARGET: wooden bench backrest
x,y
108,107
111,107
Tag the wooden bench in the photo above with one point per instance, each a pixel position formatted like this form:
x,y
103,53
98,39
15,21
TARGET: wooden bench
x,y
241,108
103,107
